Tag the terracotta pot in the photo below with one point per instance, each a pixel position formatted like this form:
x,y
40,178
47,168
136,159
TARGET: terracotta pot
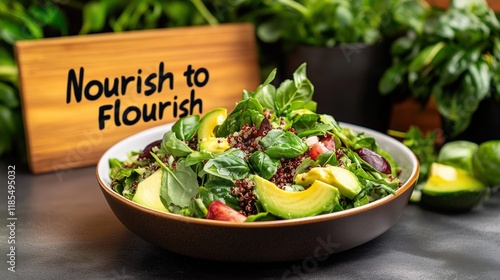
x,y
346,79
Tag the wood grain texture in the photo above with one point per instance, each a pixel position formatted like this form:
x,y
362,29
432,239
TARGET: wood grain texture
x,y
63,133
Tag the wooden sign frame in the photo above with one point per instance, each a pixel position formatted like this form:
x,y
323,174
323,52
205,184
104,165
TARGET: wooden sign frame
x,y
82,94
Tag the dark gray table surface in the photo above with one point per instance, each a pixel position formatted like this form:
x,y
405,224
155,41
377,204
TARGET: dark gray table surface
x,y
65,230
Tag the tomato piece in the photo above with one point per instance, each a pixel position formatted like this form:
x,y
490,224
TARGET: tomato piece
x,y
317,149
220,211
329,142
324,145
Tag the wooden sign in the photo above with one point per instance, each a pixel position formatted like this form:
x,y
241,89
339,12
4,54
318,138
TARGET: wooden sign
x,y
82,94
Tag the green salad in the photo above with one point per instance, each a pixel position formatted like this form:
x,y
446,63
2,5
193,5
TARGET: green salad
x,y
272,157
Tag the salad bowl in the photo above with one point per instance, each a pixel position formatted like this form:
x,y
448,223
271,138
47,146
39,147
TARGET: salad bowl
x,y
265,241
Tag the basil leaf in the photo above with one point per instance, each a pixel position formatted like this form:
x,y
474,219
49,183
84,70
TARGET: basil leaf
x,y
281,144
425,57
391,78
229,165
185,128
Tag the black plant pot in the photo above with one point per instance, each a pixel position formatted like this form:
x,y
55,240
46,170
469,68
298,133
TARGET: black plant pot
x,y
345,80
484,125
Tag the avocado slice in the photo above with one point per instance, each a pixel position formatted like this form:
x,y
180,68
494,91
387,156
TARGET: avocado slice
x,y
206,131
148,192
341,178
319,198
451,189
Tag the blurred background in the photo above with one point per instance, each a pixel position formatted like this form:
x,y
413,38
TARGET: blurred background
x,y
390,65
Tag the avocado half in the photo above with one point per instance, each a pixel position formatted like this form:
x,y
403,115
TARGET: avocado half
x,y
319,198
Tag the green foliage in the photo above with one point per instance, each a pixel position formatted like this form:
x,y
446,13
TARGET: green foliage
x,y
21,20
422,145
333,22
30,19
454,58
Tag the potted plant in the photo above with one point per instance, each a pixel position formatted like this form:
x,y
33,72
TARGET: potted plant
x,y
345,45
454,61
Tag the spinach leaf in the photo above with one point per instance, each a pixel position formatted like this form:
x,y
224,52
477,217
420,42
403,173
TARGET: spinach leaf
x,y
229,165
178,186
175,146
262,216
198,157
311,124
219,189
290,95
248,111
263,165
365,142
185,128
283,144
264,92
289,92
195,209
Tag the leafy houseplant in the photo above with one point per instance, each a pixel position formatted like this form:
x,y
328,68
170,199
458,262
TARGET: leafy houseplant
x,y
345,46
454,59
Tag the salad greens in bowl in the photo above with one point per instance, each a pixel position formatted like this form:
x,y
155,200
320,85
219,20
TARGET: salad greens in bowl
x,y
270,178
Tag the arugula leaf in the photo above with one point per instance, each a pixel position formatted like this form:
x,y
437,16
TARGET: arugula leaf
x,y
327,158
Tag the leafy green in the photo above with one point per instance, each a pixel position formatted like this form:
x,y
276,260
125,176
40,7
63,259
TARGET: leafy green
x,y
175,146
289,93
452,59
186,128
335,22
246,112
178,184
219,189
423,146
263,164
283,144
230,165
